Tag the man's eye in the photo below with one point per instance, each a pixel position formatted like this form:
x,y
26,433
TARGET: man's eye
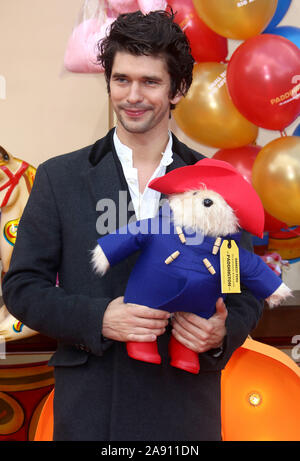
x,y
151,82
120,80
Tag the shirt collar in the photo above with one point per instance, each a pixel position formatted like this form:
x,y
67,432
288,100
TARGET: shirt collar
x,y
125,153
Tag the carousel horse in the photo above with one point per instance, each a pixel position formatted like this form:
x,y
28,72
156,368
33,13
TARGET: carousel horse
x,y
16,180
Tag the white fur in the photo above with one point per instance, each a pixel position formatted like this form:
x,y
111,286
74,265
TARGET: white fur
x,y
99,261
279,295
189,211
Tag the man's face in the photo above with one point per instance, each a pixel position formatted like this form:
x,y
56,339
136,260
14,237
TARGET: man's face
x,y
140,92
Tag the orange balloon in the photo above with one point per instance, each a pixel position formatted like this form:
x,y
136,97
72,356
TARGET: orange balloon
x,y
260,395
260,389
207,113
276,178
44,430
237,19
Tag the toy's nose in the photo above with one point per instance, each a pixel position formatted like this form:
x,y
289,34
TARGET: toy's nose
x,y
207,202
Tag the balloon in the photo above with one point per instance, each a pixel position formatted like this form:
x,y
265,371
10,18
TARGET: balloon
x,y
289,32
206,45
207,113
288,232
243,158
286,243
272,224
276,178
297,131
236,19
263,80
281,10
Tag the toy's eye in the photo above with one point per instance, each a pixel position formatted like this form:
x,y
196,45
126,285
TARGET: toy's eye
x,y
195,193
207,202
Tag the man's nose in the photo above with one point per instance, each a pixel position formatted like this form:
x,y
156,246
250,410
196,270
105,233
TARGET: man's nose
x,y
135,94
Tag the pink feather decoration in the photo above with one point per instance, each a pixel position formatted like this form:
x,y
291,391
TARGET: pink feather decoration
x,y
81,51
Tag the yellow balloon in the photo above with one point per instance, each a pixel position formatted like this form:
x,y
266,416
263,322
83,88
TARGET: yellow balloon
x,y
276,178
237,19
207,113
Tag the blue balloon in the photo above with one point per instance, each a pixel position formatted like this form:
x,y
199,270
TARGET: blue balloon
x,y
281,10
297,131
290,32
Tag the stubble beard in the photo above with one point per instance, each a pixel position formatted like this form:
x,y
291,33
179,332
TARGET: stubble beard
x,y
138,126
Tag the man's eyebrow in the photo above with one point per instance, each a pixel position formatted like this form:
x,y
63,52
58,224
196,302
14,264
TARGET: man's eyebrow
x,y
155,78
118,75
152,77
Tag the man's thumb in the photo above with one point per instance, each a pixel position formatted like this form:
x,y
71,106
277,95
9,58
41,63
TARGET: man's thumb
x,y
221,308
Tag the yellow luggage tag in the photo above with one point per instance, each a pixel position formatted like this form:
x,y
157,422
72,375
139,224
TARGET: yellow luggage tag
x,y
230,267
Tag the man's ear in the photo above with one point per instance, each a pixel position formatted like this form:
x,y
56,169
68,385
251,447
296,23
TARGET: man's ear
x,y
175,100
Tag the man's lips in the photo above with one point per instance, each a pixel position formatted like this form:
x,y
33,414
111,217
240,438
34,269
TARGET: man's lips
x,y
135,112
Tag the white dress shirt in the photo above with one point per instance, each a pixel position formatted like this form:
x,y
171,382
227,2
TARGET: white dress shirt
x,y
146,204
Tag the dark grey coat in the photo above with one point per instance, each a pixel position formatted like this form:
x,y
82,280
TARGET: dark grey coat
x,y
100,393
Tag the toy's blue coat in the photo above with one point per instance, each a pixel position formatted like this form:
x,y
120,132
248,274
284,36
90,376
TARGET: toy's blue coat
x,y
185,284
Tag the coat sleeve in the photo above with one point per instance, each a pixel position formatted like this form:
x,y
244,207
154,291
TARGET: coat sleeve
x,y
257,275
29,287
244,312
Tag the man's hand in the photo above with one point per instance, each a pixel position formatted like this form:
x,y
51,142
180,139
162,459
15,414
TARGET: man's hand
x,y
133,322
199,334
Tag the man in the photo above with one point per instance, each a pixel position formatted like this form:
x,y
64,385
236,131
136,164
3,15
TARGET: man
x,y
100,393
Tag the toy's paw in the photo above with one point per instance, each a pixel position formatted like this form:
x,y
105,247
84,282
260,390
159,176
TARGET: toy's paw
x,y
279,295
99,261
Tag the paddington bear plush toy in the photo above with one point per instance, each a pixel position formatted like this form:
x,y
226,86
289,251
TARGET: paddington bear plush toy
x,y
189,253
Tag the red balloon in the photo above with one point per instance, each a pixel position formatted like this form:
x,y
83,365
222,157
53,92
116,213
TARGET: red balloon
x,y
286,233
273,224
263,79
242,158
206,44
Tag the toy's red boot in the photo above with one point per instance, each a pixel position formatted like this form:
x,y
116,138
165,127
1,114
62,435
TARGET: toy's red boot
x,y
182,357
146,352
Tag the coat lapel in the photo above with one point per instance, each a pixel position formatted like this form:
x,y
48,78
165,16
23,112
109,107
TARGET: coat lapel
x,y
106,179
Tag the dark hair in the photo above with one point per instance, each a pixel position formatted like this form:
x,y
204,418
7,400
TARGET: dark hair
x,y
153,34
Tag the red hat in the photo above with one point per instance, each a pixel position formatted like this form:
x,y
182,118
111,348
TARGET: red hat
x,y
224,179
